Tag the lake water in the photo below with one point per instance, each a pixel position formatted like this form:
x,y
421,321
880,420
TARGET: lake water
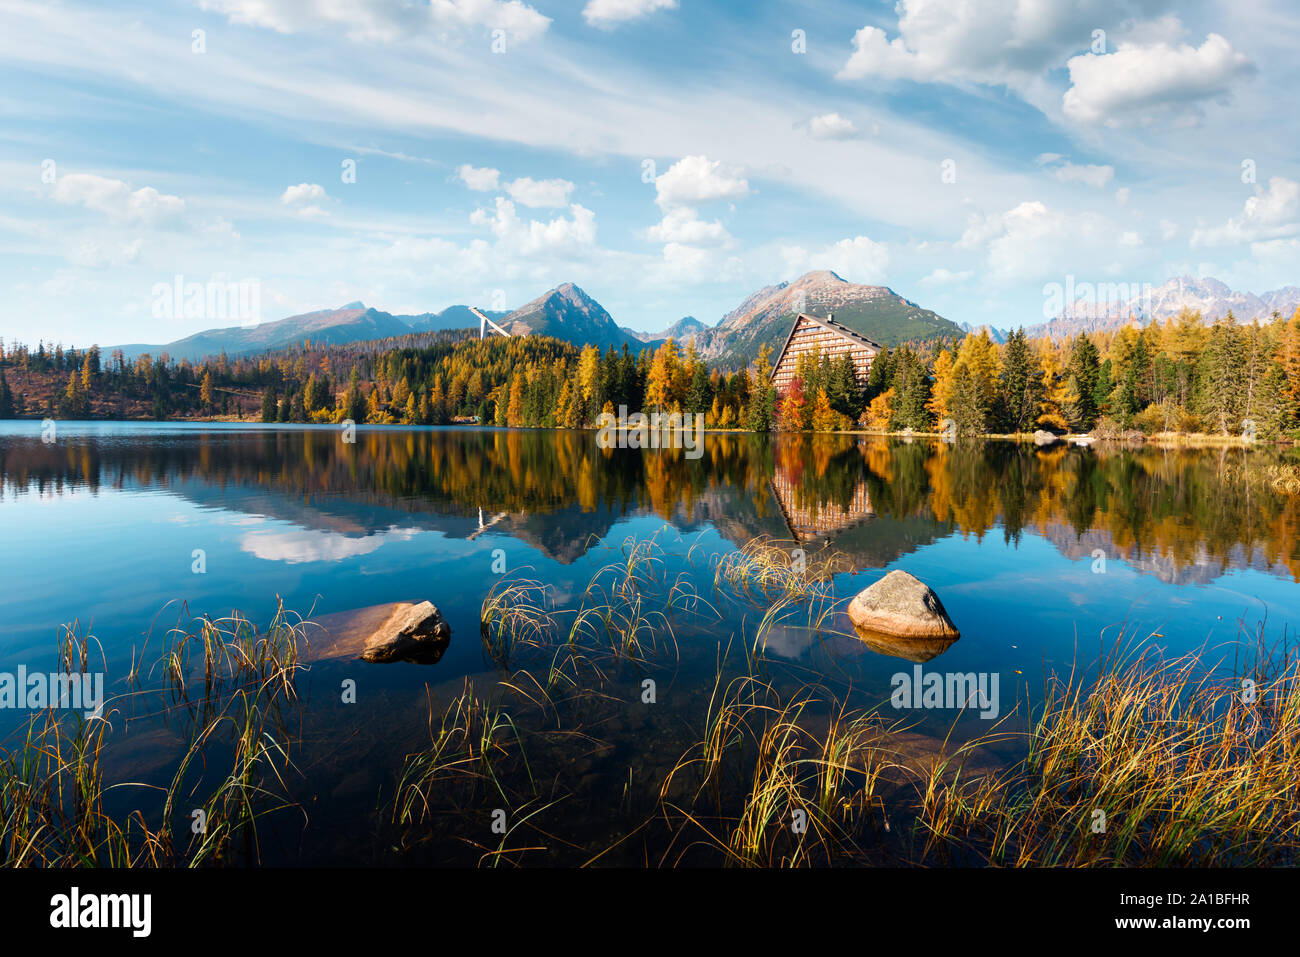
x,y
1042,558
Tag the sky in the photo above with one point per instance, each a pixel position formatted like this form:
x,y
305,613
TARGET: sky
x,y
668,156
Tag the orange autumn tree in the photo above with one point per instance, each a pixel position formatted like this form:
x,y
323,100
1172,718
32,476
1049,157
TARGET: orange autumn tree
x,y
879,412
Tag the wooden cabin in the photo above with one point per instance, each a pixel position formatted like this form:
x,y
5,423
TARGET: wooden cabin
x,y
832,338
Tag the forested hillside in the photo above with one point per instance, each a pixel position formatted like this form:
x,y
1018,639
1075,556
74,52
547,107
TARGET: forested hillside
x,y
1179,376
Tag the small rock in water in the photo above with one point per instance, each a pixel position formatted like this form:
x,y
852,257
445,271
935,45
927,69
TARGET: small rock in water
x,y
411,633
1043,437
901,604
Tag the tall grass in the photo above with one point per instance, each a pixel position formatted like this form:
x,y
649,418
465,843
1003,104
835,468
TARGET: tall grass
x,y
1154,763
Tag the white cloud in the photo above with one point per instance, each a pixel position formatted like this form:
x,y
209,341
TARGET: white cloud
x,y
683,225
1272,213
859,259
305,199
98,253
1066,172
1089,175
384,19
684,263
532,238
946,277
116,200
697,179
313,545
831,126
607,14
540,193
1137,82
1032,240
1010,42
483,179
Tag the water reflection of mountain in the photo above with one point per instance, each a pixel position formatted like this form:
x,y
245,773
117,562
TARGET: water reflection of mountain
x,y
1200,568
1177,515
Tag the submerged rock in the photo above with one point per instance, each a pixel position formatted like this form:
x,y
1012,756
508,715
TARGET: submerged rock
x,y
351,634
411,633
902,605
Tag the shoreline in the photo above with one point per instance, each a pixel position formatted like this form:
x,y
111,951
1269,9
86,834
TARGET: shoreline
x,y
1157,439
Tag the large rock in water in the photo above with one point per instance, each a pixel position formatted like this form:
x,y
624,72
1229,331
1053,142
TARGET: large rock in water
x,y
901,604
411,633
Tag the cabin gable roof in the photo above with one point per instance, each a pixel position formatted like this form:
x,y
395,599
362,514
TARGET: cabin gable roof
x,y
836,327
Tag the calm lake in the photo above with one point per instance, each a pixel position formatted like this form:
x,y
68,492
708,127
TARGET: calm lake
x,y
1042,557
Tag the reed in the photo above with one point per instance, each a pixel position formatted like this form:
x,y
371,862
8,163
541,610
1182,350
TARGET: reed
x,y
1154,763
467,738
765,567
231,652
515,615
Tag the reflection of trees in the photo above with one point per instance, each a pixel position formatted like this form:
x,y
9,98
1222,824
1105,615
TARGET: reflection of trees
x,y
1180,507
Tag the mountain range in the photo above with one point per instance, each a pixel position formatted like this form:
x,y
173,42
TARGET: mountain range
x,y
763,318
1211,297
567,312
681,331
351,323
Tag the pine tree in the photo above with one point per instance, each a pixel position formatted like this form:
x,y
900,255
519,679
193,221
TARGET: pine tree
x,y
880,376
354,403
7,410
760,414
1275,407
1020,384
967,411
912,391
1220,391
1082,375
697,394
842,386
269,405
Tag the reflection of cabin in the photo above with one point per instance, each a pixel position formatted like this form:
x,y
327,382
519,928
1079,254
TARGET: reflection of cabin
x,y
832,339
808,518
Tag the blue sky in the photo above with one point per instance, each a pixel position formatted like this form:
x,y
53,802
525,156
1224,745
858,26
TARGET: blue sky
x,y
669,156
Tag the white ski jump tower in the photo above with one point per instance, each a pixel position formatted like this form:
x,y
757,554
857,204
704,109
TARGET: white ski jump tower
x,y
484,322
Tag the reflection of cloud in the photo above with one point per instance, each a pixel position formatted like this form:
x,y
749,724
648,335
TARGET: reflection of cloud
x,y
307,545
788,642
